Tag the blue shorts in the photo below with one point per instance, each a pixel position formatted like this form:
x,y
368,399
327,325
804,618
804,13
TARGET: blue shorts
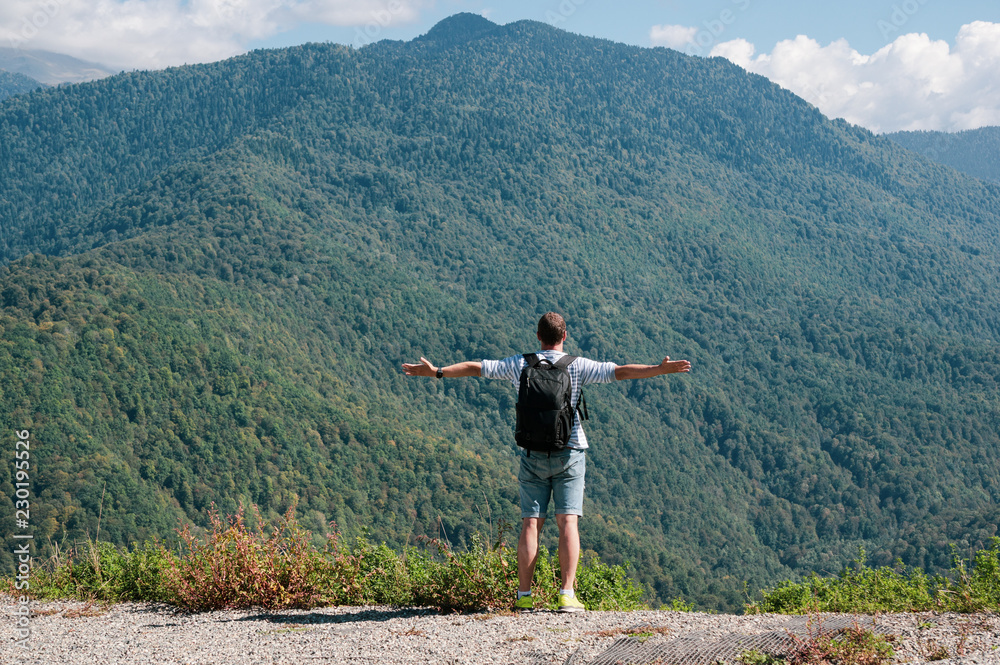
x,y
559,476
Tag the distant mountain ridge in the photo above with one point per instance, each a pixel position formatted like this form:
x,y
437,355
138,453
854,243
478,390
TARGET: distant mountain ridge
x,y
50,68
974,151
14,84
211,274
458,29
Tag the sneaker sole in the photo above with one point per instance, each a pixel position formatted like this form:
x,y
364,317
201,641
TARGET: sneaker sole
x,y
572,609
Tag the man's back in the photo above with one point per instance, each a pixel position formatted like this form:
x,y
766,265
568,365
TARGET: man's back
x,y
582,372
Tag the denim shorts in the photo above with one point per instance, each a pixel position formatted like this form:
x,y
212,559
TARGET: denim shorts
x,y
559,476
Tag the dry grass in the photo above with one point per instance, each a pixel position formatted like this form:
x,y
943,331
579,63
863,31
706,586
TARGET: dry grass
x,y
88,610
412,631
635,631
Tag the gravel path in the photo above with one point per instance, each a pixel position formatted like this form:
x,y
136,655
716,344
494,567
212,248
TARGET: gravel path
x,y
73,632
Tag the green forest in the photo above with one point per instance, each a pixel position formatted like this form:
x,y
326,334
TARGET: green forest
x,y
974,151
12,83
211,275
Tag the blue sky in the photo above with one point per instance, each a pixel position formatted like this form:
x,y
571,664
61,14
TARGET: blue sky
x,y
865,25
884,64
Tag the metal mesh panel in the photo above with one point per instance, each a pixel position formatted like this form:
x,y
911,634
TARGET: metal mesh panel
x,y
705,648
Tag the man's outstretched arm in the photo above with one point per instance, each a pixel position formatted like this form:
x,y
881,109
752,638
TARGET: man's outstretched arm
x,y
425,368
668,366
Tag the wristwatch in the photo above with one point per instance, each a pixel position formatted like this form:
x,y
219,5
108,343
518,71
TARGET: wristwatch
x,y
440,373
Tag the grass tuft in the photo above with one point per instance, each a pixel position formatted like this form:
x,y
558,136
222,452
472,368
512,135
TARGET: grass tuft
x,y
852,646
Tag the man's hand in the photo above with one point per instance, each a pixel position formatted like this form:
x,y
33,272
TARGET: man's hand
x,y
458,370
669,366
423,368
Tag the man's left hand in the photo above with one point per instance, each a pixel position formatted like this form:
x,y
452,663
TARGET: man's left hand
x,y
423,368
669,366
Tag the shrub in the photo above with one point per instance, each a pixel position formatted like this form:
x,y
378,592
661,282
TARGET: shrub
x,y
680,605
364,575
603,587
860,588
98,571
852,646
979,590
483,578
239,567
276,566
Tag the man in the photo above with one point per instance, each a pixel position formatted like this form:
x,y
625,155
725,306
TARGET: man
x,y
559,475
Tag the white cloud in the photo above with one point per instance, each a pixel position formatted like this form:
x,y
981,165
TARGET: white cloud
x,y
673,36
912,83
158,33
739,51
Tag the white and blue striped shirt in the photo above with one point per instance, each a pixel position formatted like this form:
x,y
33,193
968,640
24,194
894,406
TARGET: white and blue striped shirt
x,y
582,372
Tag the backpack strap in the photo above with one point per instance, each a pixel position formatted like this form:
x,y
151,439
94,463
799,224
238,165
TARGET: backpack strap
x,y
565,361
531,359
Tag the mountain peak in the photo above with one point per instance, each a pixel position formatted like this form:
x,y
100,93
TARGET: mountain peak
x,y
51,68
458,28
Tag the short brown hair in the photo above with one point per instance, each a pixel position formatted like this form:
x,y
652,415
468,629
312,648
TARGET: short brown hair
x,y
551,328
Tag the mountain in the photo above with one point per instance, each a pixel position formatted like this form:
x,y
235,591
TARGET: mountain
x,y
974,151
50,68
15,84
213,273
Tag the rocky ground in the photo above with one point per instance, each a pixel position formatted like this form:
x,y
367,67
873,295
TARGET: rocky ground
x,y
88,634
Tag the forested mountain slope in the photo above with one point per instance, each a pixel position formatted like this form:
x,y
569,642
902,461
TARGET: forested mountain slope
x,y
14,84
215,272
975,151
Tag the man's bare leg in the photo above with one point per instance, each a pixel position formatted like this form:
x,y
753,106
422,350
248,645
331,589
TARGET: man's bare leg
x,y
527,551
569,548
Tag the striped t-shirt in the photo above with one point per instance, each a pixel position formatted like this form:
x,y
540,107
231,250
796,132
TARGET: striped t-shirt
x,y
582,372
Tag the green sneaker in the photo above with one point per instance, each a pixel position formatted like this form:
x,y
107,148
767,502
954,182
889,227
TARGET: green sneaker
x,y
570,604
524,604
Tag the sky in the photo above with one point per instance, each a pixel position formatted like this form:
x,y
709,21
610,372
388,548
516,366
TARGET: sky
x,y
887,65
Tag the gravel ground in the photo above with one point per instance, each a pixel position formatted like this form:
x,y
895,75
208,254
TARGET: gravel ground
x,y
73,632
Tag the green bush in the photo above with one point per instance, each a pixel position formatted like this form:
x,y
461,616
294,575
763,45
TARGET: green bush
x,y
276,566
366,574
482,578
860,588
101,572
979,590
603,587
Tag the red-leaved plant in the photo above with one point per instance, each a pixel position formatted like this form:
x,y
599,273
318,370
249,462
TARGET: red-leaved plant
x,y
236,566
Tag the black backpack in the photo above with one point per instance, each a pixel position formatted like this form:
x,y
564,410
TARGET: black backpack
x,y
544,409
